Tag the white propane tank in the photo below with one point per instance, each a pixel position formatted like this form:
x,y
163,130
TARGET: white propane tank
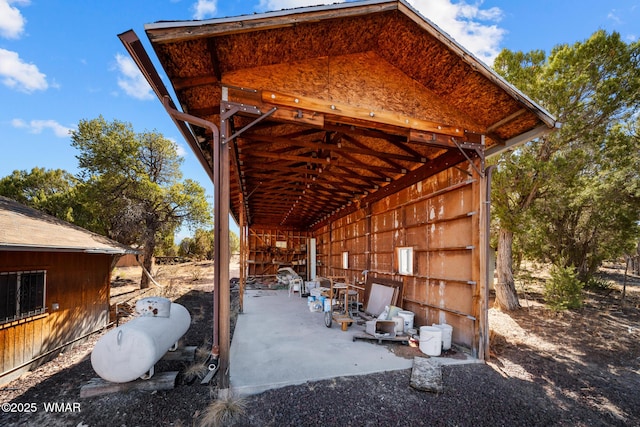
x,y
131,350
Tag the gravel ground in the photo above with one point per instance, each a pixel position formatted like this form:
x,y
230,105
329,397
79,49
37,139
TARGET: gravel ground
x,y
578,368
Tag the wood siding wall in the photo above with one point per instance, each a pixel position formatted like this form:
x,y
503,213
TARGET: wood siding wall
x,y
440,219
78,283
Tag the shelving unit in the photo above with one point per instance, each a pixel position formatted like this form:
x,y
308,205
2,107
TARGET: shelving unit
x,y
271,249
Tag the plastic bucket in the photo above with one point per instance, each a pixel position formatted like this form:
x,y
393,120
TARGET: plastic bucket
x,y
430,340
408,319
399,324
447,332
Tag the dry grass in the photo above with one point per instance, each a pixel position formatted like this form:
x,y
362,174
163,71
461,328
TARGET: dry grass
x,y
224,411
203,351
195,371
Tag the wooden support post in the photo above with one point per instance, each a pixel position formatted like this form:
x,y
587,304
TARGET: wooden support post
x,y
482,190
221,251
243,254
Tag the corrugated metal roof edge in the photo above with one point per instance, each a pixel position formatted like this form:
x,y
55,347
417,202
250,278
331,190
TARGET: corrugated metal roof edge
x,y
270,14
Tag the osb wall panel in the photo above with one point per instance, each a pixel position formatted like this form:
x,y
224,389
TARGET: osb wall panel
x,y
383,242
79,283
438,218
362,80
382,262
450,265
440,70
453,233
438,291
384,221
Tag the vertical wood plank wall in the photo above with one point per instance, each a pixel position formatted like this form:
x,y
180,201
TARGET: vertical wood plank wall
x,y
440,219
78,282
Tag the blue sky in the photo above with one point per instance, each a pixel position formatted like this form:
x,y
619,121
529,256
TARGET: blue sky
x,y
61,60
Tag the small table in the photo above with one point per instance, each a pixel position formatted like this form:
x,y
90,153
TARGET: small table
x,y
344,315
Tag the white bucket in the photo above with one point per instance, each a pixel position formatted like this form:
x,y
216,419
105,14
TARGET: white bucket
x,y
408,319
430,340
447,332
399,324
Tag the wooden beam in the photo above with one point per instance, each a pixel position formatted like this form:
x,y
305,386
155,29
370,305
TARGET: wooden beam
x,y
191,82
279,156
361,114
431,139
282,113
361,148
99,387
506,120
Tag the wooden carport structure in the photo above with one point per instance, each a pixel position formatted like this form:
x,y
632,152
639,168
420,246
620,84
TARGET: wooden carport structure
x,y
361,125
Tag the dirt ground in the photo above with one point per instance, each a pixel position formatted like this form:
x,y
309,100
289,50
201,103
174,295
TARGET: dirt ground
x,y
574,368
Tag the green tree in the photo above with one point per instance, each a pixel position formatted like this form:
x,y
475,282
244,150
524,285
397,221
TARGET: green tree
x,y
185,247
133,187
234,243
591,87
594,214
201,246
49,191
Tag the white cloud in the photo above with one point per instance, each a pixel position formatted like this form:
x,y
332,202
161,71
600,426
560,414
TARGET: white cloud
x,y
204,9
271,5
614,16
11,20
180,150
131,80
19,75
37,126
470,25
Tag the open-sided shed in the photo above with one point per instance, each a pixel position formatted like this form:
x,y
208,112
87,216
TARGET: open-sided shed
x,y
359,129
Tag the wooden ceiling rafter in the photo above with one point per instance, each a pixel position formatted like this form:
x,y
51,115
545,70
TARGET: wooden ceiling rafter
x,y
185,83
257,140
384,156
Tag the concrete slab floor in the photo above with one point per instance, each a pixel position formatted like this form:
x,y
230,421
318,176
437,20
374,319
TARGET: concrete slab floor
x,y
278,341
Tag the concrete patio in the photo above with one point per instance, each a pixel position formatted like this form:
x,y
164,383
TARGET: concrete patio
x,y
278,341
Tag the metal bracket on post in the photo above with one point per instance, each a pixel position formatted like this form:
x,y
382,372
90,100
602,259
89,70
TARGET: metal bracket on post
x,y
478,148
149,373
228,109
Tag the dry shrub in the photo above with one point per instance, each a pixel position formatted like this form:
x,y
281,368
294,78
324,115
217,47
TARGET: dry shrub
x,y
198,314
203,351
196,273
224,411
497,342
195,371
169,290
